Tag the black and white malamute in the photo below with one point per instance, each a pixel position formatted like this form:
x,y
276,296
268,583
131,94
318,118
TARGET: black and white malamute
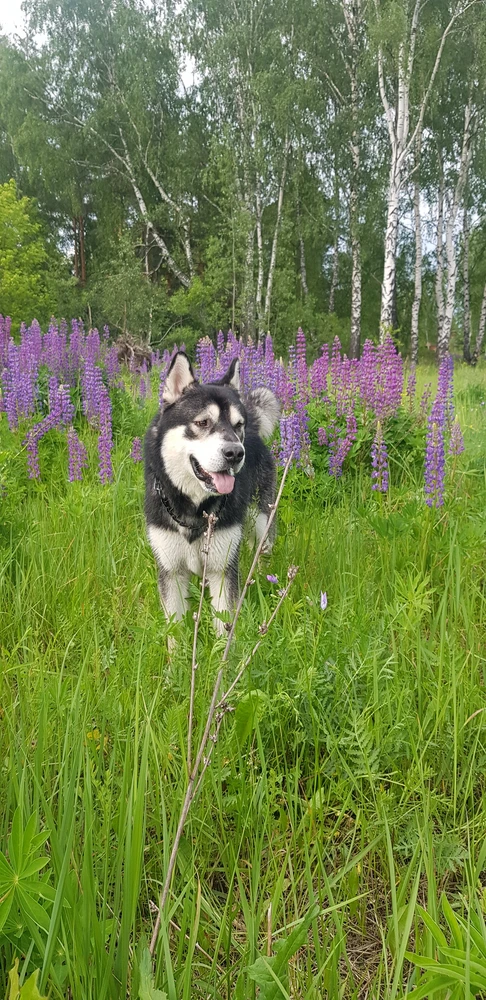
x,y
204,453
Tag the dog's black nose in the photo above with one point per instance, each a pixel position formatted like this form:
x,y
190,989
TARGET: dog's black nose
x,y
233,452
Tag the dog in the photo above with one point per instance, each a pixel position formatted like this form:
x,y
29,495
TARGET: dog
x,y
205,454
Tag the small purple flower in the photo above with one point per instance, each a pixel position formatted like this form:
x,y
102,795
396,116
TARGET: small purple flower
x,y
323,600
456,443
136,452
78,457
435,456
272,578
379,461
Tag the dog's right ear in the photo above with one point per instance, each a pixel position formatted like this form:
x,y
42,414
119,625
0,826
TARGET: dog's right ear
x,y
179,377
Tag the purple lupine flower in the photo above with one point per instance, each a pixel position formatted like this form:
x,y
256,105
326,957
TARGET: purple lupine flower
x,y
220,343
368,375
105,439
78,456
91,388
289,438
323,600
456,443
322,436
318,375
112,364
5,325
424,402
136,452
32,442
379,461
411,385
435,456
272,578
445,387
205,359
302,375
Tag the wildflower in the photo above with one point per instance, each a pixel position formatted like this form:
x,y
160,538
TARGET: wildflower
x,y
78,457
411,385
272,578
323,600
456,443
136,452
105,439
435,456
379,461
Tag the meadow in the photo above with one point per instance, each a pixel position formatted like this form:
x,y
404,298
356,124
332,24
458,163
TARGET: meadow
x,y
340,827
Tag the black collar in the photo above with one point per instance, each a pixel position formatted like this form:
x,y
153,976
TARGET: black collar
x,y
198,521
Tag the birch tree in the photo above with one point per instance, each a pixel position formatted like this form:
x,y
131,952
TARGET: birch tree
x,y
126,108
403,117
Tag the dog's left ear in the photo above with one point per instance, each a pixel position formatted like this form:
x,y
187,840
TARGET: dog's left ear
x,y
179,377
232,376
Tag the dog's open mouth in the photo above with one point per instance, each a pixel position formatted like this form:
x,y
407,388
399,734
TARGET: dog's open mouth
x,y
215,482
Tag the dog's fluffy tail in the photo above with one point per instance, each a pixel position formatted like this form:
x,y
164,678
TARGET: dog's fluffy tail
x,y
264,407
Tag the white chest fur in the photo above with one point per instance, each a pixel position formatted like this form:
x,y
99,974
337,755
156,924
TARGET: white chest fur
x,y
174,553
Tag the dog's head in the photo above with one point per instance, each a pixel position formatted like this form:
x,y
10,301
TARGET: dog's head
x,y
202,430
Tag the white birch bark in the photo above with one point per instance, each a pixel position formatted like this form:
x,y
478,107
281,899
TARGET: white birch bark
x,y
453,209
273,255
401,142
466,347
259,236
353,19
303,268
417,298
439,274
481,330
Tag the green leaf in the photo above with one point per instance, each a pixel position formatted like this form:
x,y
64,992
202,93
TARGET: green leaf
x,y
28,991
34,867
5,907
249,710
271,974
146,989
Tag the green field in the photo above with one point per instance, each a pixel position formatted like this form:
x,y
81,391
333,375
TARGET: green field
x,y
353,780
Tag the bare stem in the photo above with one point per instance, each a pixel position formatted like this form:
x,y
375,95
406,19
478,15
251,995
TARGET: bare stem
x,y
208,534
273,511
192,786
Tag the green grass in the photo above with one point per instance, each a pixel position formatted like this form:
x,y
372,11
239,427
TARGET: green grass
x,y
360,786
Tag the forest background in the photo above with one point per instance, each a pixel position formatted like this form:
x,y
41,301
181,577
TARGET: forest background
x,y
173,169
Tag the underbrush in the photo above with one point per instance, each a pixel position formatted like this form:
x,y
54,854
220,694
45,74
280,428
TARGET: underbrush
x,y
346,790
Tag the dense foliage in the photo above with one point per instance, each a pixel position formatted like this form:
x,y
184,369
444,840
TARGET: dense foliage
x,y
351,411
346,791
315,163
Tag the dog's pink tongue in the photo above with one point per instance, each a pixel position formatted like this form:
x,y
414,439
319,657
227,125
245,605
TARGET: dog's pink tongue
x,y
223,482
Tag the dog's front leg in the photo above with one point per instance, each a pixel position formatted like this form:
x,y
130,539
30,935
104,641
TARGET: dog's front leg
x,y
173,590
223,587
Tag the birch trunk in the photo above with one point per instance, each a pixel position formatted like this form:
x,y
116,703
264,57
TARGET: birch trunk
x,y
481,330
303,269
443,343
417,298
439,274
398,123
334,275
466,348
259,289
353,19
391,240
335,259
82,254
76,261
273,255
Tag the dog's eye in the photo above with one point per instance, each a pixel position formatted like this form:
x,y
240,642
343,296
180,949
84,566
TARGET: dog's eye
x,y
203,424
239,426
